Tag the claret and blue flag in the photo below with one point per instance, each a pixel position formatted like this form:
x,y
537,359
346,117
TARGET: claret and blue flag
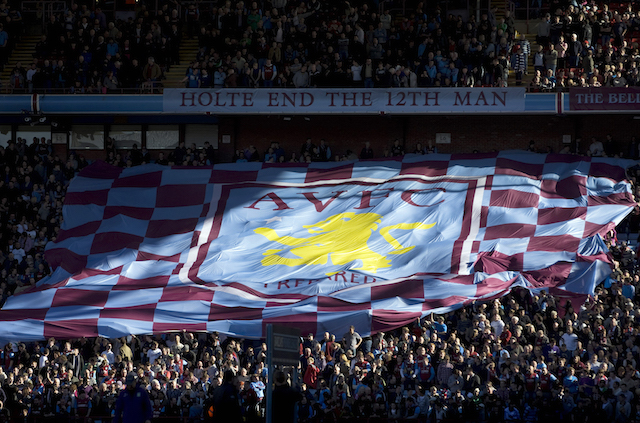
x,y
234,247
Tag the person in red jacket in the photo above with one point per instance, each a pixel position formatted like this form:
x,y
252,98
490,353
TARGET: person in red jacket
x,y
311,375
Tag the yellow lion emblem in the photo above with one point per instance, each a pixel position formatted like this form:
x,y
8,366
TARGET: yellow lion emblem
x,y
342,238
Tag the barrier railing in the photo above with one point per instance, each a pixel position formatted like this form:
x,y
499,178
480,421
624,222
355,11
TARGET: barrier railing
x,y
45,8
109,419
158,88
146,88
345,419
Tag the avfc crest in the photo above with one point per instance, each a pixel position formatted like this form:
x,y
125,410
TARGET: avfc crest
x,y
338,240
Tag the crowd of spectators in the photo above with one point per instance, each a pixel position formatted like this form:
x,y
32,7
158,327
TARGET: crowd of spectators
x,y
587,44
310,152
320,151
520,358
326,44
83,51
10,23
266,44
318,44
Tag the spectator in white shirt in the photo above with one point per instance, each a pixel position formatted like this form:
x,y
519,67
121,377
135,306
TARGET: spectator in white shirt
x,y
596,148
356,73
44,358
497,325
18,252
154,353
570,339
108,353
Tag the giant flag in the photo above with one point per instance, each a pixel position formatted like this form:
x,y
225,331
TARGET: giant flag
x,y
377,244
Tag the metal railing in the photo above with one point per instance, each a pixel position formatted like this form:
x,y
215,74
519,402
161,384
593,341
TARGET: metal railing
x,y
400,6
526,12
108,419
146,88
166,419
46,8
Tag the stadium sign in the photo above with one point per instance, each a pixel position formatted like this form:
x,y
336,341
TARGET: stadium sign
x,y
283,345
356,101
604,99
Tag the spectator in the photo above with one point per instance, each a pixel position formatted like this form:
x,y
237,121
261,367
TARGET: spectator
x,y
108,354
151,74
133,404
519,64
367,151
574,51
596,149
284,399
511,414
110,82
352,339
226,401
4,47
301,78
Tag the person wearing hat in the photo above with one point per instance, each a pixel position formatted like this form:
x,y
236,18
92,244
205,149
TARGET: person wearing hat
x,y
133,404
284,399
226,400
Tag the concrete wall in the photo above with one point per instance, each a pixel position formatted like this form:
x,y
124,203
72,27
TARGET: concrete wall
x,y
468,133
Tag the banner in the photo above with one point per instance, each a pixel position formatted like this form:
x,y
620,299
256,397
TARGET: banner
x,y
605,98
357,101
234,247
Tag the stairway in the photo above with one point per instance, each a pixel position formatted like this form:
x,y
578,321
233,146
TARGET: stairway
x,y
502,5
188,52
23,53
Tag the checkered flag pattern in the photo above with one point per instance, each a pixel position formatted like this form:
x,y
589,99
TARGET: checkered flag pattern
x,y
152,249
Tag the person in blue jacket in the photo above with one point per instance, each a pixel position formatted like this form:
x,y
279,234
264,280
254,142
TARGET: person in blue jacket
x,y
133,404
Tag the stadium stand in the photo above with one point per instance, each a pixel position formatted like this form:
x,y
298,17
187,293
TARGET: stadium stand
x,y
321,45
518,358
